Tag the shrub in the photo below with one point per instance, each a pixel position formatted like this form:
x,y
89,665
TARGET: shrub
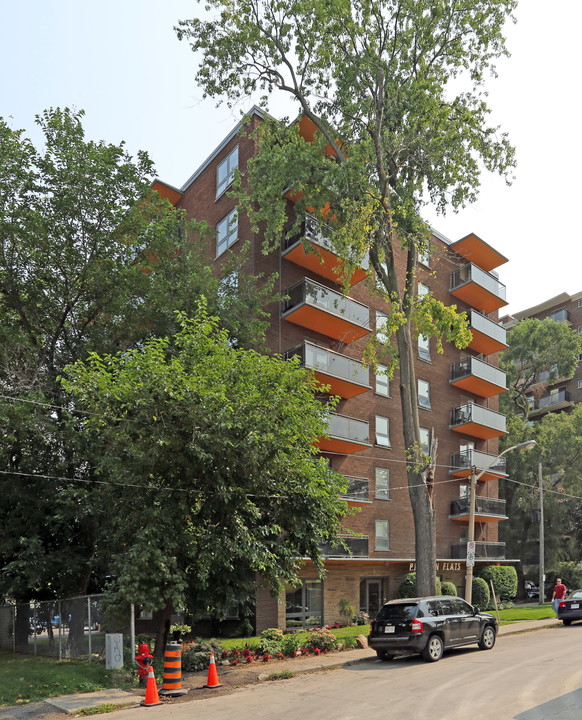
x,y
362,618
196,654
407,587
270,641
448,588
291,643
504,578
346,609
322,639
480,593
350,642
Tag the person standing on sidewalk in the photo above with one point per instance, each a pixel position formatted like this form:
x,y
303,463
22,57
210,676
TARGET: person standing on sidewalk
x,y
558,594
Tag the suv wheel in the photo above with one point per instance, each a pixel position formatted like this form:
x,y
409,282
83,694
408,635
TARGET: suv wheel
x,y
434,649
567,622
384,655
487,640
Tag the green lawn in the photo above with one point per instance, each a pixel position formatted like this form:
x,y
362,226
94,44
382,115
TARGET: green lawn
x,y
26,678
537,612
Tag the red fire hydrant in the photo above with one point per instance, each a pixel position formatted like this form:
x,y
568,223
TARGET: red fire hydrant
x,y
144,659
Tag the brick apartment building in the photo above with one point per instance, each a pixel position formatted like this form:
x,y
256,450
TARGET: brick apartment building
x,y
458,397
562,394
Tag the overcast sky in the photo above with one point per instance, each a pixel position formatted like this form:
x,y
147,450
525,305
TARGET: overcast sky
x,y
121,62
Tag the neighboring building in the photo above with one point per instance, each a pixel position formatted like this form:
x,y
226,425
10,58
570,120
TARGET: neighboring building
x,y
458,397
561,394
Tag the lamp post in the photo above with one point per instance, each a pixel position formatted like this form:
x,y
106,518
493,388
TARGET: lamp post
x,y
471,532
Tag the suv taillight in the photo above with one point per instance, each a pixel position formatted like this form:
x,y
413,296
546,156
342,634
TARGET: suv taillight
x,y
416,626
562,604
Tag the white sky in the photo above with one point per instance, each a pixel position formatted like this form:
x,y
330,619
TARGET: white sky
x,y
121,62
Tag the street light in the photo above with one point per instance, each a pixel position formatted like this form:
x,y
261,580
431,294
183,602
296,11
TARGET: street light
x,y
527,445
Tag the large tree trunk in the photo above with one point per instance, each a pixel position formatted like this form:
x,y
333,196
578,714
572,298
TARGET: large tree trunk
x,y
420,493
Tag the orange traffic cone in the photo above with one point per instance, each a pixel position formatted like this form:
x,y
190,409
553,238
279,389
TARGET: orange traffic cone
x,y
212,674
151,696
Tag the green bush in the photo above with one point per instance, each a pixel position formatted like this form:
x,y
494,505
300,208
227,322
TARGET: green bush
x,y
322,639
504,578
570,574
480,593
291,642
271,641
407,587
196,654
448,588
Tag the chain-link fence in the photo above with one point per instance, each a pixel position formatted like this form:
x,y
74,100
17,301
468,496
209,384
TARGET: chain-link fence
x,y
69,628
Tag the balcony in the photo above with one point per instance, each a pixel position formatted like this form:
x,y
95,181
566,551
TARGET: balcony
x,y
478,377
462,462
346,435
483,550
478,288
477,251
358,491
488,336
345,376
486,509
562,315
477,421
558,399
311,248
357,547
325,311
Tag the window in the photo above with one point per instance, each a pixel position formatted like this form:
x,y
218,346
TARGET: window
x,y
580,329
424,440
424,347
424,393
381,324
424,255
382,431
225,171
382,535
379,283
382,381
383,483
580,302
579,384
226,232
423,291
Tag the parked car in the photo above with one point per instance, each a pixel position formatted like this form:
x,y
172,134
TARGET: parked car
x,y
428,626
531,589
570,608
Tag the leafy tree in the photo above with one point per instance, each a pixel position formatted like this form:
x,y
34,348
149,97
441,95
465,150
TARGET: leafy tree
x,y
539,352
559,451
212,449
90,261
377,81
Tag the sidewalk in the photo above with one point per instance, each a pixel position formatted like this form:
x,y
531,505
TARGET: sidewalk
x,y
230,678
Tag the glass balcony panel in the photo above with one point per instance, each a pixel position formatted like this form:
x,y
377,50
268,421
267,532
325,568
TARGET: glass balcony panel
x,y
462,462
472,273
478,421
483,506
358,489
357,547
348,428
333,363
560,315
488,336
492,551
554,398
478,377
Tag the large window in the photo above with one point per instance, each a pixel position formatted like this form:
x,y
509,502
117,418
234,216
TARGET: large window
x,y
304,604
383,483
226,232
381,325
225,171
424,393
382,535
382,431
424,347
382,381
424,440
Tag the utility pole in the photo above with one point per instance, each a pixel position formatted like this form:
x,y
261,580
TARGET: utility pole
x,y
471,539
542,575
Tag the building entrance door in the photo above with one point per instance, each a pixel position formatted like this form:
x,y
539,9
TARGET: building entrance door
x,y
371,596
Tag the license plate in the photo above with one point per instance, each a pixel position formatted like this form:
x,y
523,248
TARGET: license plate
x,y
574,606
389,629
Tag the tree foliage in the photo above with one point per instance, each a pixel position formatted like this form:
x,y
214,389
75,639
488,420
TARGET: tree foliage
x,y
90,261
392,89
211,447
539,353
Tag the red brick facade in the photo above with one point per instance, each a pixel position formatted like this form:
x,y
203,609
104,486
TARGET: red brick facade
x,y
355,578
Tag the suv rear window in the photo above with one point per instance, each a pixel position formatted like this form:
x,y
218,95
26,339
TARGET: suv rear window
x,y
399,611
